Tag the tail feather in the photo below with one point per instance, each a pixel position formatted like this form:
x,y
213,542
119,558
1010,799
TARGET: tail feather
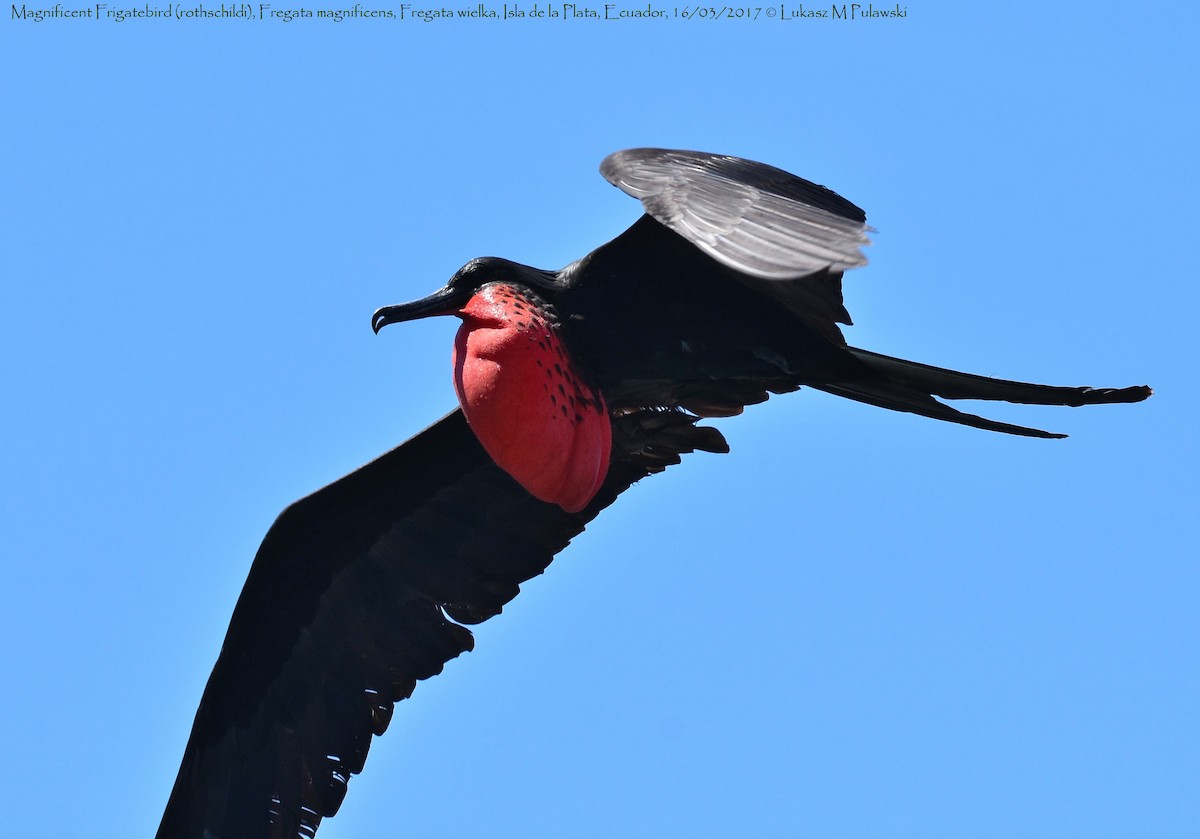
x,y
901,398
951,384
909,386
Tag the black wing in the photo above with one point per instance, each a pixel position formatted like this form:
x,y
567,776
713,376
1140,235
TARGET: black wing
x,y
754,218
782,235
357,592
791,239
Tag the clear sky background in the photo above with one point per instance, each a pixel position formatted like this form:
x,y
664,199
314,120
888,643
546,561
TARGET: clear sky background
x,y
857,624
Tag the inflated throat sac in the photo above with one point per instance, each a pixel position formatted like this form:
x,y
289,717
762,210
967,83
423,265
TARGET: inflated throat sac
x,y
534,416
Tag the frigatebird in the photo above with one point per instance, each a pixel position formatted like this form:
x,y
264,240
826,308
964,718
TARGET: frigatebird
x,y
573,384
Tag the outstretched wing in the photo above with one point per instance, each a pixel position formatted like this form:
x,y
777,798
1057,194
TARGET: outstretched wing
x,y
785,236
790,239
357,592
754,218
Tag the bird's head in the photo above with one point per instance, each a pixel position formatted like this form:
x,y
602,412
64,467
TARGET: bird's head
x,y
467,283
535,412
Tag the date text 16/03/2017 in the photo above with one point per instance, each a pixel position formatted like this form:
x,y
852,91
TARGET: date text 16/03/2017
x,y
611,11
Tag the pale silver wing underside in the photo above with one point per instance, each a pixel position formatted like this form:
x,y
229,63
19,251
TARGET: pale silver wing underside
x,y
748,216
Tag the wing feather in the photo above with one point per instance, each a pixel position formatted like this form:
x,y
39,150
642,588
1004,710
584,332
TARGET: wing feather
x,y
784,236
358,592
753,218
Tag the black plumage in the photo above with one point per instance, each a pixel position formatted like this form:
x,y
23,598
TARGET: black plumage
x,y
727,290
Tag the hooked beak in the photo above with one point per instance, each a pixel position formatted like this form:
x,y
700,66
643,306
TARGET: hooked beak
x,y
444,301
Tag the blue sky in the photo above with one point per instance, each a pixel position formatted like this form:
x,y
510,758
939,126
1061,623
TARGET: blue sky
x,y
858,623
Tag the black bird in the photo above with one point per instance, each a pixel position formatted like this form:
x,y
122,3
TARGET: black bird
x,y
573,384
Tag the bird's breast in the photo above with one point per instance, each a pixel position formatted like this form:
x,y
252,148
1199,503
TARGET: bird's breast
x,y
530,407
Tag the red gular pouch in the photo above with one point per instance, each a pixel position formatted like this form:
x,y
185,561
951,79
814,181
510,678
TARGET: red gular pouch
x,y
522,398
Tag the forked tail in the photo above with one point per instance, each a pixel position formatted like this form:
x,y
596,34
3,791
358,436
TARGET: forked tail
x,y
909,386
